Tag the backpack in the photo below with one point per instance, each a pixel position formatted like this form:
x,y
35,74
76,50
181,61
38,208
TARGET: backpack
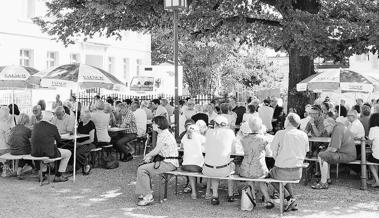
x,y
110,162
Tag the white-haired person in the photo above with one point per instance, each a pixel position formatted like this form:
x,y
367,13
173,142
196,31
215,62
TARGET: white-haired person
x,y
44,140
101,121
5,128
219,145
193,159
19,142
64,122
289,148
255,147
145,107
84,145
37,115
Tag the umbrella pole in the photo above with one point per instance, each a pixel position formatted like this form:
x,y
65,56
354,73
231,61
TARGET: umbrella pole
x,y
13,120
75,134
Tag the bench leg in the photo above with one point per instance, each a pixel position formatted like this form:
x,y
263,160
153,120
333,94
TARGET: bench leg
x,y
159,187
281,198
49,171
165,186
176,185
40,173
337,170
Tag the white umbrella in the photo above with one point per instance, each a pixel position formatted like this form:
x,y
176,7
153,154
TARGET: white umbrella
x,y
80,76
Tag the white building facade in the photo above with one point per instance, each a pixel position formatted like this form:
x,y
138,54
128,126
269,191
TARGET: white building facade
x,y
23,43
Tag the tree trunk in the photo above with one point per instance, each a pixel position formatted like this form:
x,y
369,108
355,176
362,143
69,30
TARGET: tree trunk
x,y
300,67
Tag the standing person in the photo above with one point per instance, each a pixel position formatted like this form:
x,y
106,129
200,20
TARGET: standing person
x,y
42,104
341,149
167,148
277,117
5,129
238,110
19,141
373,136
289,148
101,121
57,102
219,145
130,133
193,159
45,137
76,106
265,113
255,147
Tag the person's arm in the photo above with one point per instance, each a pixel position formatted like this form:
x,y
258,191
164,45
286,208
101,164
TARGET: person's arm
x,y
155,151
57,136
71,124
275,145
315,130
90,140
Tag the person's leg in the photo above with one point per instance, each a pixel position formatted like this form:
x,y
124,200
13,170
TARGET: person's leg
x,y
374,172
230,191
324,169
65,154
214,183
208,193
192,181
121,144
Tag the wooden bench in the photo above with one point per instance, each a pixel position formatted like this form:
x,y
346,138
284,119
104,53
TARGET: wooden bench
x,y
179,172
13,158
42,160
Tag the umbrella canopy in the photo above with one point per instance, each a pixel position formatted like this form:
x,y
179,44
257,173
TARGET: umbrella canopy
x,y
14,77
343,80
84,76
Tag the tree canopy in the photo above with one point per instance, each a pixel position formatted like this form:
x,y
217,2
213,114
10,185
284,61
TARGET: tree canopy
x,y
332,29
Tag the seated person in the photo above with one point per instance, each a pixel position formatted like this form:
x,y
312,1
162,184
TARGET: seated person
x,y
167,148
193,159
64,122
315,126
200,115
45,137
254,165
219,145
141,118
84,145
19,141
5,128
374,156
340,150
37,115
109,110
355,125
101,121
229,115
289,148
123,139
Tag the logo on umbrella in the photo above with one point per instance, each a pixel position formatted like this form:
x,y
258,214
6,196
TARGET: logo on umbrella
x,y
58,83
15,76
91,77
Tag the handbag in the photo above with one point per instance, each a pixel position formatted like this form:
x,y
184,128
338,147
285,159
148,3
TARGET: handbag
x,y
247,200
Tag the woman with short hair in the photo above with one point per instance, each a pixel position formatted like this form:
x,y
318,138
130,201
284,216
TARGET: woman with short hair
x,y
101,121
166,147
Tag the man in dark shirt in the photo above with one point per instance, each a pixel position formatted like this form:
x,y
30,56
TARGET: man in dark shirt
x,y
277,118
45,137
239,110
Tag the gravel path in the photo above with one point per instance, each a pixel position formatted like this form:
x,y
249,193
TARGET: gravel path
x,y
110,193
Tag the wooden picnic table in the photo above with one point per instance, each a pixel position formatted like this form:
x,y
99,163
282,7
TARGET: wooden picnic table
x,y
116,129
72,137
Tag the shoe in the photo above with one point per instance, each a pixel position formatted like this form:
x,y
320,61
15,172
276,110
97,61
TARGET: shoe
x,y
290,203
215,201
127,158
146,200
320,185
231,199
187,189
193,196
60,179
268,205
26,169
140,197
275,195
329,181
87,170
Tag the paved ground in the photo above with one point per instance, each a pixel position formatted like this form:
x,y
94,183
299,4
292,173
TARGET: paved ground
x,y
110,193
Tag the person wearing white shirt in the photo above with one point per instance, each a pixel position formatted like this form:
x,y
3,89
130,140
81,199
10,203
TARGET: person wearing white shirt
x,y
141,118
289,148
170,109
193,159
304,122
101,121
159,110
265,113
189,111
64,122
355,126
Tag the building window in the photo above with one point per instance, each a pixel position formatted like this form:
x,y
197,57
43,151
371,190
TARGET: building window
x,y
74,58
52,59
126,65
26,57
111,64
28,9
139,66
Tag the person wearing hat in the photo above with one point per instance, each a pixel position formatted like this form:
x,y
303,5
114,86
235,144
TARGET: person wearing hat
x,y
289,148
255,147
44,140
219,145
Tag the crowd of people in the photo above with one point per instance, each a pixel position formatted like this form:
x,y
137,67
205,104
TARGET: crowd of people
x,y
218,129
